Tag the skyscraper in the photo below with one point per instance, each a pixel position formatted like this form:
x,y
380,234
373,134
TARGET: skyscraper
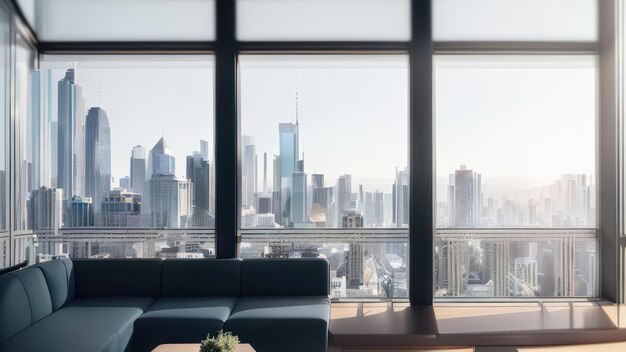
x,y
46,209
298,199
138,169
121,208
204,149
79,212
276,202
354,254
198,172
400,193
248,172
343,196
289,151
464,197
171,201
97,156
70,138
162,161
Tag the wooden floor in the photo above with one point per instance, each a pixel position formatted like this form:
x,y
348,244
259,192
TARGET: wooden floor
x,y
489,327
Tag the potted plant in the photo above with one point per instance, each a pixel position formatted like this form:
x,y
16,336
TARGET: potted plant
x,y
222,342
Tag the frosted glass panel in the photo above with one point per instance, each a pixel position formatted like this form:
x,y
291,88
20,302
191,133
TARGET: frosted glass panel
x,y
323,20
515,20
121,20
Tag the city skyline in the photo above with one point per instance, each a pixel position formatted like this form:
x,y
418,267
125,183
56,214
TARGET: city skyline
x,y
160,97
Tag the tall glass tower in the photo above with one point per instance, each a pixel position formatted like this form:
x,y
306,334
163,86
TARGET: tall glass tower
x,y
289,149
97,156
70,138
138,169
161,159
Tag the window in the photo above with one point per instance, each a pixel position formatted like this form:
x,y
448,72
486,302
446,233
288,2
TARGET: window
x,y
515,149
324,156
131,156
26,148
5,39
331,20
515,20
121,20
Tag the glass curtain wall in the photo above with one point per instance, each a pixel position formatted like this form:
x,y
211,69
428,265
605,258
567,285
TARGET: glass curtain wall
x,y
129,170
5,74
324,165
516,150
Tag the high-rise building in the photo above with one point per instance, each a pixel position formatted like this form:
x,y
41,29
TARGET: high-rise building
x,y
162,161
248,172
125,182
276,201
463,197
288,164
79,212
379,208
138,169
299,199
526,276
46,209
264,172
317,181
401,195
451,202
198,172
265,203
478,200
343,195
121,208
97,156
204,149
354,254
496,261
70,139
171,201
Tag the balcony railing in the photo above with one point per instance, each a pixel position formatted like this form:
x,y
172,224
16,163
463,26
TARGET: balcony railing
x,y
516,262
126,242
4,250
366,262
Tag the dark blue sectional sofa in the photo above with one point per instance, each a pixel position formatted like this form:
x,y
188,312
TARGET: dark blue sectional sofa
x,y
137,304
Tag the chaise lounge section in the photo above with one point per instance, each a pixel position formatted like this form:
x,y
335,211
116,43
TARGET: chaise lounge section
x,y
138,304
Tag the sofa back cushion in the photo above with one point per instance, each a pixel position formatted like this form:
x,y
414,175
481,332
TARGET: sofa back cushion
x,y
285,277
15,313
117,277
200,278
37,292
59,274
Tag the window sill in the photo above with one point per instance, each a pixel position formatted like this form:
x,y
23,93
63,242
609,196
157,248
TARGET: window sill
x,y
383,325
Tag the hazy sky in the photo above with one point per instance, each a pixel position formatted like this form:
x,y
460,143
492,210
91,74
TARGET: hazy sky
x,y
524,118
352,113
145,97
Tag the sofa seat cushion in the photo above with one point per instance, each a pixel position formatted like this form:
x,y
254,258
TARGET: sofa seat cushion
x,y
181,319
282,323
86,324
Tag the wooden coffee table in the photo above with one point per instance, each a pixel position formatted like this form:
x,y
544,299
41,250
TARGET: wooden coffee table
x,y
195,347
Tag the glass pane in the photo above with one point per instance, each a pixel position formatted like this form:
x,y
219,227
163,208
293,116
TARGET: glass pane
x,y
27,131
332,20
324,147
515,141
515,149
5,67
515,20
131,152
121,20
515,263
